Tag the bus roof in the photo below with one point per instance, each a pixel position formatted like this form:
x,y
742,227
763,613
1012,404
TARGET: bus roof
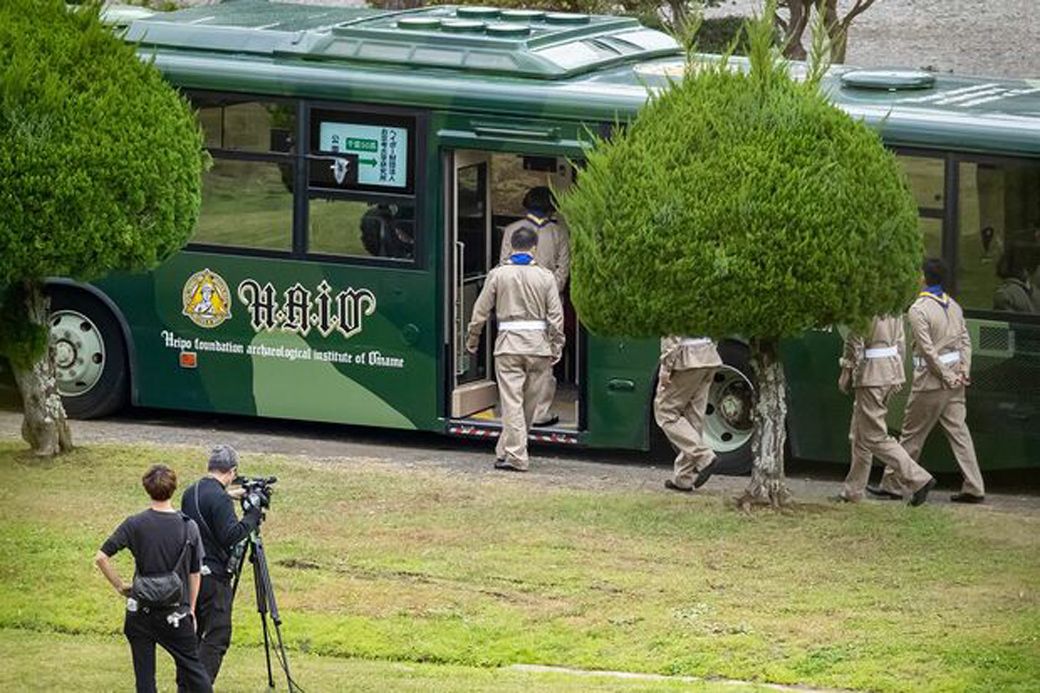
x,y
530,63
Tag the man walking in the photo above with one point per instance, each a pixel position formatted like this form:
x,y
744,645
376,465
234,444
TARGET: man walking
x,y
687,367
872,366
942,367
553,252
530,340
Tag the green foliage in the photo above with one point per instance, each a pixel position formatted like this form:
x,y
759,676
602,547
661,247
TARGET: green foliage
x,y
719,34
740,201
21,341
101,160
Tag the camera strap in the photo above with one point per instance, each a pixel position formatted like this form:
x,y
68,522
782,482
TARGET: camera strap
x,y
224,555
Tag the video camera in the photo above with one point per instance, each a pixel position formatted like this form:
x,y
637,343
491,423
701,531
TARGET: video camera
x,y
257,491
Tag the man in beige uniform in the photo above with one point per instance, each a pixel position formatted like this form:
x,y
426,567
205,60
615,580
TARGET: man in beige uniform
x,y
942,364
873,368
530,340
553,253
687,368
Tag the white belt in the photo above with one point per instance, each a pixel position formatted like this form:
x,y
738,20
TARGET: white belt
x,y
947,358
694,341
522,325
881,352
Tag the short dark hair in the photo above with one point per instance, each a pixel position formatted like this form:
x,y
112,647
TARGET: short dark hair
x,y
524,239
934,271
540,198
223,458
160,482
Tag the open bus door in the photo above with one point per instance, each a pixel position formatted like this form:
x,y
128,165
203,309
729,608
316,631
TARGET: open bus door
x,y
473,379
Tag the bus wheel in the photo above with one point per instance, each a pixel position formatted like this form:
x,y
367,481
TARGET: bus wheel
x,y
89,355
728,420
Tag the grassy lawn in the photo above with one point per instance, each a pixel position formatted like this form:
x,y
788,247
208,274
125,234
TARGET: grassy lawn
x,y
436,579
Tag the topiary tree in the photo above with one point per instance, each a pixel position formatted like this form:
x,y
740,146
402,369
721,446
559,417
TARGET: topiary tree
x,y
741,202
101,166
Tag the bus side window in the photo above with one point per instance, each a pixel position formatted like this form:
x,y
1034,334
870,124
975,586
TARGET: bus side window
x,y
999,236
357,228
926,176
247,202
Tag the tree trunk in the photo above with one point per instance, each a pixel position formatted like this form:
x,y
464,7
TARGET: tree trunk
x,y
44,426
799,12
767,485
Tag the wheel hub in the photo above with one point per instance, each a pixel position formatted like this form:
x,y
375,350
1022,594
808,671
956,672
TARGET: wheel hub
x,y
727,421
79,352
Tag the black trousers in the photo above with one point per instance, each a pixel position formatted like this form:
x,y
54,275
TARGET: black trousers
x,y
213,609
144,630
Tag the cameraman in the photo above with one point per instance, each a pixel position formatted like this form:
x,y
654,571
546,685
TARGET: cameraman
x,y
211,505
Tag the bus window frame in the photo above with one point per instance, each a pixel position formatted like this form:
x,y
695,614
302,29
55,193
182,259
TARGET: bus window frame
x,y
418,197
951,237
292,158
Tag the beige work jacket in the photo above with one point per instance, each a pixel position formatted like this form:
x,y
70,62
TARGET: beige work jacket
x,y
522,295
871,359
938,332
685,353
553,251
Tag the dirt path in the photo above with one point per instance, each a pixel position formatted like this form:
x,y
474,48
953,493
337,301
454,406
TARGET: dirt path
x,y
588,469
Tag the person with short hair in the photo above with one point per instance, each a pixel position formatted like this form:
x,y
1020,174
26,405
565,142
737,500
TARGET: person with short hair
x,y
872,369
211,505
552,252
942,371
163,542
530,340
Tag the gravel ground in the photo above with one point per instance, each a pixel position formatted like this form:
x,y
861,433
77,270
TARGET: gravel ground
x,y
585,469
992,38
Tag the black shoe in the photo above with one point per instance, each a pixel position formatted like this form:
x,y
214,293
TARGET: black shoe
x,y
966,498
551,421
507,466
705,474
672,486
921,494
881,493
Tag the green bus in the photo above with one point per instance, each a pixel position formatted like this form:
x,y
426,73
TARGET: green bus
x,y
365,163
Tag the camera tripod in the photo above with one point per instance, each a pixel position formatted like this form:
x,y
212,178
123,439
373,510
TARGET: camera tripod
x,y
266,604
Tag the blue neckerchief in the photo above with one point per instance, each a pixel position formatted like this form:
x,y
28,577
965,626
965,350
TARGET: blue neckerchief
x,y
936,292
538,220
521,258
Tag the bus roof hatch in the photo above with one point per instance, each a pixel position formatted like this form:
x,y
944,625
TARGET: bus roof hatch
x,y
522,43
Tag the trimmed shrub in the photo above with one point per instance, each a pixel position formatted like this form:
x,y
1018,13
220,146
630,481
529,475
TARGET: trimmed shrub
x,y
101,164
742,202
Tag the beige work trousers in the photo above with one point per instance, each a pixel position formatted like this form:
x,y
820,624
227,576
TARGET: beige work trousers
x,y
679,411
947,407
546,395
519,382
868,434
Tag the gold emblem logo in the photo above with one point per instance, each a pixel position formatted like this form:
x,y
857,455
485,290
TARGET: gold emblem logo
x,y
207,301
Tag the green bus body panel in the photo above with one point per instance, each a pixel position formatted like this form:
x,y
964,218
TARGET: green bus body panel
x,y
296,381
1003,400
284,50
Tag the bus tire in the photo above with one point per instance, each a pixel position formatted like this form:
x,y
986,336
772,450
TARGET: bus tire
x,y
727,421
89,353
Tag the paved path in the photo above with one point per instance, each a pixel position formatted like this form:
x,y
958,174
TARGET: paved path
x,y
591,469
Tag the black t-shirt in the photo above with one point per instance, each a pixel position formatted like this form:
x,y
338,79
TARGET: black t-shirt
x,y
207,502
156,539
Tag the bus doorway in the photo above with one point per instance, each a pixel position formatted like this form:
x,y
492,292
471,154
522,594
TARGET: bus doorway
x,y
485,197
